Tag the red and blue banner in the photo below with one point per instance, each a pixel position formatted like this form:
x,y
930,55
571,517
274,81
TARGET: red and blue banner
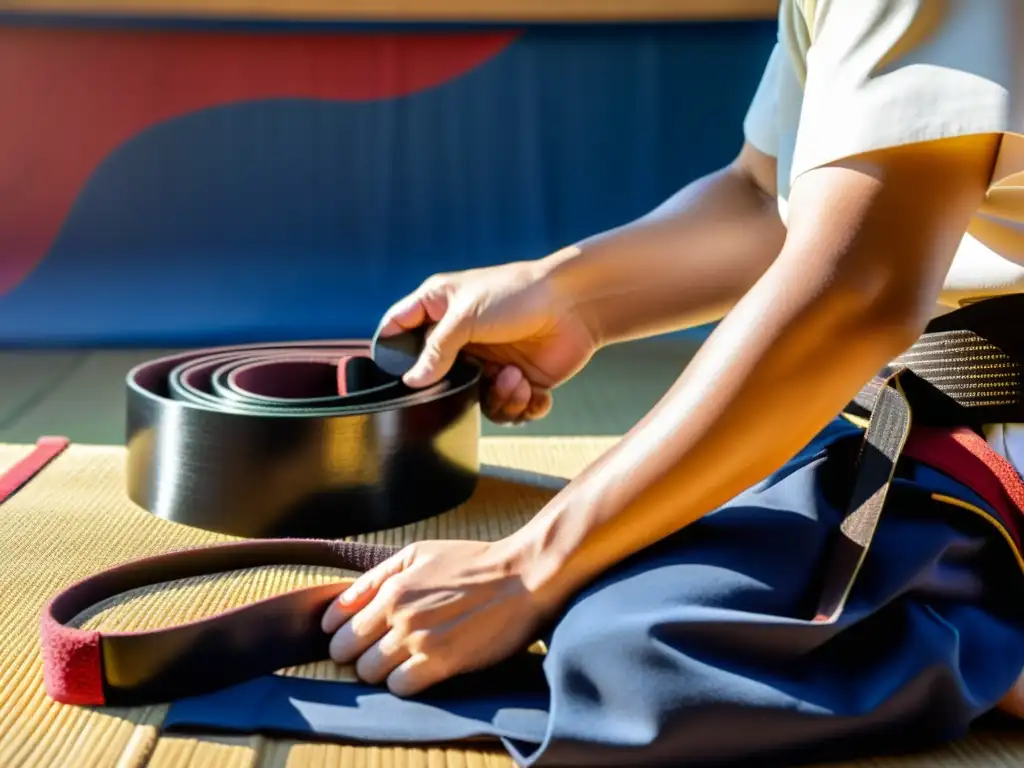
x,y
218,184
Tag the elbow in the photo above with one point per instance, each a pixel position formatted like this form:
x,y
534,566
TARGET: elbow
x,y
894,319
881,319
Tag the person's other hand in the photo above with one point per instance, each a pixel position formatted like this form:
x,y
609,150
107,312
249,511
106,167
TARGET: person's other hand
x,y
1013,702
511,318
432,611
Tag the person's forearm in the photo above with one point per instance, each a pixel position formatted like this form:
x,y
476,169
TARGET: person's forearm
x,y
683,265
868,246
779,367
770,377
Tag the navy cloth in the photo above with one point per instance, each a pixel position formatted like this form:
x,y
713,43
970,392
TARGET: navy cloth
x,y
701,650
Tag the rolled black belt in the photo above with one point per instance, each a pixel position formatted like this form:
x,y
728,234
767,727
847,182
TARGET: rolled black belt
x,y
309,440
964,370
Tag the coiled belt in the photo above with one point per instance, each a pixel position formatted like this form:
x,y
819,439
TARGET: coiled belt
x,y
298,440
90,668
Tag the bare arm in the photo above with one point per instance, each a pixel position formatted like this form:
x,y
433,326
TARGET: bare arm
x,y
685,263
869,243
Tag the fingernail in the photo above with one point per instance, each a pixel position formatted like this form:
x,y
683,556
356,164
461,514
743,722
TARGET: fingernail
x,y
415,376
349,595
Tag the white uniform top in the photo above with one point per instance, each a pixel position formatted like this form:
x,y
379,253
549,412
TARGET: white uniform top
x,y
851,76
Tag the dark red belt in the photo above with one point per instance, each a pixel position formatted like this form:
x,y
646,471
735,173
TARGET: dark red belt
x,y
130,668
307,440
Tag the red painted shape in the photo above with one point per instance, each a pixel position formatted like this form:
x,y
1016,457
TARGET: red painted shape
x,y
46,450
70,97
965,456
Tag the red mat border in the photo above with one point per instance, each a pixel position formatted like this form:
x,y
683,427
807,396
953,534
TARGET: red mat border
x,y
46,450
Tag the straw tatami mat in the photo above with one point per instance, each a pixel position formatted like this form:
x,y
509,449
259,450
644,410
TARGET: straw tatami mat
x,y
74,519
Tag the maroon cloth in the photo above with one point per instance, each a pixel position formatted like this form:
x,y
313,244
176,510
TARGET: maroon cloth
x,y
964,455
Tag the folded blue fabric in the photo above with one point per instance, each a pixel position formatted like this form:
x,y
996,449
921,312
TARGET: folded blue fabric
x,y
289,705
701,649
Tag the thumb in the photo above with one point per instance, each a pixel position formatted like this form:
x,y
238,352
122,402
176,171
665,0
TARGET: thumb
x,y
442,346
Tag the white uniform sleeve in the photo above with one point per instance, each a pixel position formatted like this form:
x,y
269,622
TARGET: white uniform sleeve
x,y
884,73
761,124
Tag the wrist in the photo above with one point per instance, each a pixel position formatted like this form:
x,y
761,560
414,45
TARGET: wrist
x,y
569,282
549,554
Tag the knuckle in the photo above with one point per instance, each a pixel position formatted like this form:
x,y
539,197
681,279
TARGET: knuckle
x,y
418,640
436,282
412,618
432,349
436,645
403,624
392,591
442,662
358,627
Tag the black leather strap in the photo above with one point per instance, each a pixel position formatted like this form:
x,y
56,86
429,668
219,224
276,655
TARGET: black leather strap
x,y
306,440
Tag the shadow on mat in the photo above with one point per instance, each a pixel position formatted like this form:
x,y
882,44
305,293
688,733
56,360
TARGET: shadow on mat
x,y
505,498
280,752
495,480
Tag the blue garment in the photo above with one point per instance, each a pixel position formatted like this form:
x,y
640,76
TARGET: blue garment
x,y
701,650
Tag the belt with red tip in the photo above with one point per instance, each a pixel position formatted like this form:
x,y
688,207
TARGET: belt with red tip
x,y
89,667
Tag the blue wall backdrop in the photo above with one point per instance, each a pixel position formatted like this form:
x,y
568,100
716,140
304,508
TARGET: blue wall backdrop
x,y
283,217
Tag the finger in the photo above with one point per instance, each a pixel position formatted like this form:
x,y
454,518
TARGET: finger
x,y
360,592
427,303
416,674
517,403
490,370
507,380
501,390
357,634
540,405
406,315
440,349
381,658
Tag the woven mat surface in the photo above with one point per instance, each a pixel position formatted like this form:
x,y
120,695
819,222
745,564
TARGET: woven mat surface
x,y
74,519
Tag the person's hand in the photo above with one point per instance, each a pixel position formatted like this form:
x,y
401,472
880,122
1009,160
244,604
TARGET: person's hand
x,y
434,610
1013,703
510,318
